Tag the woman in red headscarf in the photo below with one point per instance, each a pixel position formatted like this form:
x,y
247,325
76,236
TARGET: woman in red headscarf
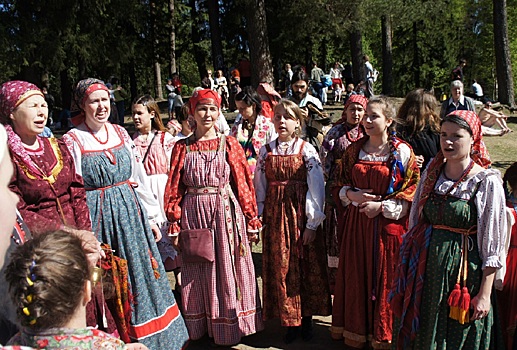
x,y
125,215
347,130
449,258
210,187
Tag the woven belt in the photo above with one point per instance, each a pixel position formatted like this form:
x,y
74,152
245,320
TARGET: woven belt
x,y
285,183
202,190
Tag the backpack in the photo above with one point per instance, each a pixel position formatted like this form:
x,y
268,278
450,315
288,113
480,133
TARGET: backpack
x,y
327,80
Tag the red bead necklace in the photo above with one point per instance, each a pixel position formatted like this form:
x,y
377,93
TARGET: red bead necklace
x,y
95,137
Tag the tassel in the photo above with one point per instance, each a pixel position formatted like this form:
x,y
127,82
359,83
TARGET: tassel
x,y
454,302
465,306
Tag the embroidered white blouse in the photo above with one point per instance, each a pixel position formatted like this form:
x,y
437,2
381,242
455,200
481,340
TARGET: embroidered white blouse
x,y
491,210
138,173
316,184
393,209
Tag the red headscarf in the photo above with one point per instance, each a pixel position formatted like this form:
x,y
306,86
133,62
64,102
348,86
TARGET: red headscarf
x,y
82,90
205,96
363,101
12,94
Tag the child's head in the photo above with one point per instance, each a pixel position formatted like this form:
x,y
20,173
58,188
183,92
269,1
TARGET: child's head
x,y
350,87
510,178
145,111
49,280
287,119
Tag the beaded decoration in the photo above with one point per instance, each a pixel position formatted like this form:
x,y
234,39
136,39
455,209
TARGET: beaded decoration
x,y
31,278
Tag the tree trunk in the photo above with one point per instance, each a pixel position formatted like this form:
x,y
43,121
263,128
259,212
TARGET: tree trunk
x,y
387,56
416,56
158,93
356,50
199,55
503,61
172,40
215,35
260,56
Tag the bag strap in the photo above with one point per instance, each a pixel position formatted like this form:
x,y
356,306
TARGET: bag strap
x,y
148,148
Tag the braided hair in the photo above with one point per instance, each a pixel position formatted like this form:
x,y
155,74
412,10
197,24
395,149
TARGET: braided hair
x,y
46,278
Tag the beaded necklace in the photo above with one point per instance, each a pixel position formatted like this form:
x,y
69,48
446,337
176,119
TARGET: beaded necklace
x,y
95,137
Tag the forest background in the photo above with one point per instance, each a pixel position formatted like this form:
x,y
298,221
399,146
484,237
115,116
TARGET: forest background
x,y
413,43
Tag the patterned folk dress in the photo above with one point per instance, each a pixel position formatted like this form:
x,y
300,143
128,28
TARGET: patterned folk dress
x,y
209,186
335,143
289,187
369,249
476,202
120,219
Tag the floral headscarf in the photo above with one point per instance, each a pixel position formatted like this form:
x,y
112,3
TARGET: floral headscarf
x,y
12,94
82,90
363,101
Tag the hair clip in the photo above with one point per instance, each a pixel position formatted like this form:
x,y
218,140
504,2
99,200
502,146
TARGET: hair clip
x,y
32,322
29,281
29,298
26,311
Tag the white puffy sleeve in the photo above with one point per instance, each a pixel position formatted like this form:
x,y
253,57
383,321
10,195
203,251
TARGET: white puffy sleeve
x,y
316,183
139,176
75,150
259,180
492,220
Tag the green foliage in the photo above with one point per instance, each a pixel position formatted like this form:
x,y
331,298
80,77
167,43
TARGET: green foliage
x,y
42,39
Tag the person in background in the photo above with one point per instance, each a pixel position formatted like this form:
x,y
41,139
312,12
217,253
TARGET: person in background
x,y
154,145
316,81
375,188
477,91
442,291
210,186
235,87
125,214
458,101
285,81
457,73
368,76
290,193
252,129
349,92
120,94
344,132
222,89
490,118
49,281
347,73
419,125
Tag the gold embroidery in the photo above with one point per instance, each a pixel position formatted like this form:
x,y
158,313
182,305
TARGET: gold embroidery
x,y
51,179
